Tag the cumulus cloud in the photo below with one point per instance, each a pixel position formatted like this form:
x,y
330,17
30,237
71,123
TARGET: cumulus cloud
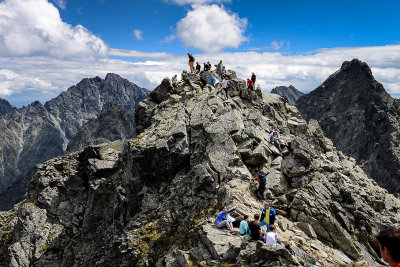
x,y
11,82
138,34
34,27
211,28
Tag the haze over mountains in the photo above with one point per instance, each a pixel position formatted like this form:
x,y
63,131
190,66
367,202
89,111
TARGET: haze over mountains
x,y
36,133
361,118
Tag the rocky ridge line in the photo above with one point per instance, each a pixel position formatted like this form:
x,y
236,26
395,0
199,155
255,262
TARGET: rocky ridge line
x,y
152,200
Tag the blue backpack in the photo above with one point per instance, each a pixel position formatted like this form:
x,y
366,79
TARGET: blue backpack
x,y
262,178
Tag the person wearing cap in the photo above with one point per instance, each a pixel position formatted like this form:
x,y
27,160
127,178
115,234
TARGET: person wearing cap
x,y
274,138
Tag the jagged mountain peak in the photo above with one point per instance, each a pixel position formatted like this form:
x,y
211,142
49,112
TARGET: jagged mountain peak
x,y
37,132
290,92
361,118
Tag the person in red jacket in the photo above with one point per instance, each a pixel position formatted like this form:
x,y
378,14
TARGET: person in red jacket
x,y
389,245
249,84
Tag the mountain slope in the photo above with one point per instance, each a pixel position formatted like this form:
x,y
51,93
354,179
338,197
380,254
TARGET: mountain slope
x,y
361,118
290,92
112,124
152,200
37,133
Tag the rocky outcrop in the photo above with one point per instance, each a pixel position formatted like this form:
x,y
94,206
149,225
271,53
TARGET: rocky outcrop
x,y
36,133
290,92
113,123
5,107
151,201
361,118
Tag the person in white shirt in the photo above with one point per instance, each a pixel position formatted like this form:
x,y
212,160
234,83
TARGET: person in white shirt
x,y
224,83
272,236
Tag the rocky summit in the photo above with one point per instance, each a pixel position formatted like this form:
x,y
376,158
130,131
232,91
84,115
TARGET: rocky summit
x,y
36,133
290,92
361,119
152,201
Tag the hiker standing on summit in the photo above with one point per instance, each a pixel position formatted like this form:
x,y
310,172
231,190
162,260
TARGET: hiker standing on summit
x,y
253,79
191,62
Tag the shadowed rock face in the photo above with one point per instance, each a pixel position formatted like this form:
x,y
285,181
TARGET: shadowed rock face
x,y
152,200
36,133
113,123
290,92
361,118
5,107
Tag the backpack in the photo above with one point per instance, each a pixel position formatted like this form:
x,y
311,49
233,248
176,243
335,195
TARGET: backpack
x,y
262,178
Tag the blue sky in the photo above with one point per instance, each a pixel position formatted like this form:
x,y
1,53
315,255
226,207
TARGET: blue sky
x,y
48,45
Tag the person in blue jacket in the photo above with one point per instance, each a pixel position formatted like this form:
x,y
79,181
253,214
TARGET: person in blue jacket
x,y
267,215
222,221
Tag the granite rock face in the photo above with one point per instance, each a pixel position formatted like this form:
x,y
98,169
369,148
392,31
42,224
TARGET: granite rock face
x,y
113,123
361,119
152,200
6,107
290,92
36,133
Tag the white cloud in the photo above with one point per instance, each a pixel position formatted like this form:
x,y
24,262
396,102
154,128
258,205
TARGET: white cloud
x,y
138,54
196,2
61,3
211,28
138,34
11,82
305,71
30,27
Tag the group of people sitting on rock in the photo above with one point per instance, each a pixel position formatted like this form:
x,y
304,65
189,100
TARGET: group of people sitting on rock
x,y
250,228
220,68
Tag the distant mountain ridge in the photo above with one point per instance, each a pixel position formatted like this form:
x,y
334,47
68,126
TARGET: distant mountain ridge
x,y
361,118
37,132
290,92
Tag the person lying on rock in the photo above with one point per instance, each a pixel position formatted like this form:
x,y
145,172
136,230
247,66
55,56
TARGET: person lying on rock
x,y
243,229
223,221
255,229
389,245
271,237
274,138
268,216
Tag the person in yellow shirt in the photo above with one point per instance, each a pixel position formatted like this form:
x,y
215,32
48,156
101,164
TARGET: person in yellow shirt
x,y
268,216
